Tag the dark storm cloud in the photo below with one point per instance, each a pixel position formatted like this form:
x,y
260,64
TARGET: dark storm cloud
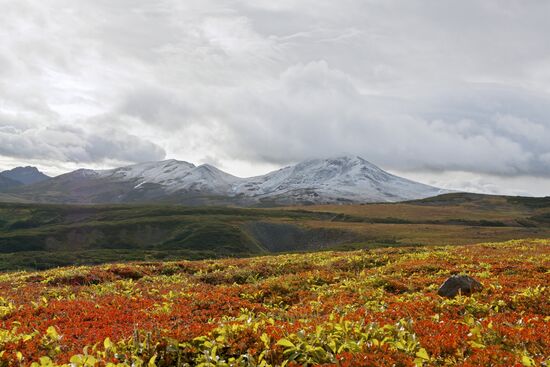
x,y
413,86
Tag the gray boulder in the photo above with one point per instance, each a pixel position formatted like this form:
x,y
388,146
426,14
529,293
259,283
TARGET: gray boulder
x,y
459,284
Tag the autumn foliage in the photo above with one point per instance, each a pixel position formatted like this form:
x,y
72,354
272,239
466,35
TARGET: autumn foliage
x,y
361,308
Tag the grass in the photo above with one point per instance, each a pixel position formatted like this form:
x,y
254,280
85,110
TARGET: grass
x,y
38,236
446,208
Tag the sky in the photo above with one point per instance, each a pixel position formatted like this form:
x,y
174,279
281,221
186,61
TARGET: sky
x,y
450,93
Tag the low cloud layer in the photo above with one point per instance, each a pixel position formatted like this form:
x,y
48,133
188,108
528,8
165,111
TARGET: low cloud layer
x,y
70,144
424,89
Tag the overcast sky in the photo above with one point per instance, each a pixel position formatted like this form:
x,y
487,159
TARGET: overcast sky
x,y
452,93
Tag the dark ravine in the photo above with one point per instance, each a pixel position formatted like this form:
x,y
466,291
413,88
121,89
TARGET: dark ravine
x,y
284,237
31,235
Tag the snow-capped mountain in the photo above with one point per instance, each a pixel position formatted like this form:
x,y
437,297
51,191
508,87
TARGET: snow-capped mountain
x,y
174,176
342,179
345,179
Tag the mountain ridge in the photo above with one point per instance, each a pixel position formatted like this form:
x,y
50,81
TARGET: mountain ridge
x,y
344,179
19,176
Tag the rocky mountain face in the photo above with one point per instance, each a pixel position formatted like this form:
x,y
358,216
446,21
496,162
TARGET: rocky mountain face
x,y
345,179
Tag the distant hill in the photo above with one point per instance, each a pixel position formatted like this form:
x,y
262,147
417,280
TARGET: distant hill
x,y
347,179
24,175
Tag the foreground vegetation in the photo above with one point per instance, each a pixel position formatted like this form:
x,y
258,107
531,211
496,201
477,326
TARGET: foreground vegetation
x,y
363,308
34,236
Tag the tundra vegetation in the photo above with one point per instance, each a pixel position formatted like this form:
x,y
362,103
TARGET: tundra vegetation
x,y
376,307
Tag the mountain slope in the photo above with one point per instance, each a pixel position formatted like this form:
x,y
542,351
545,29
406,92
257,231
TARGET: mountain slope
x,y
26,175
7,183
342,179
320,181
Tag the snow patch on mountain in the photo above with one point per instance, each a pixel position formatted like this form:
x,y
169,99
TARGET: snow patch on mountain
x,y
174,175
340,179
159,172
347,179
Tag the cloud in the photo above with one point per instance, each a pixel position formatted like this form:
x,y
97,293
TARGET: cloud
x,y
313,110
415,87
70,144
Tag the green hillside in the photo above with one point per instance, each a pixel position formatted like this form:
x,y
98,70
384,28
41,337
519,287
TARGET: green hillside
x,y
42,236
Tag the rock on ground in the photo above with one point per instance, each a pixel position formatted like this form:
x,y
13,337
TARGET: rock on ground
x,y
459,284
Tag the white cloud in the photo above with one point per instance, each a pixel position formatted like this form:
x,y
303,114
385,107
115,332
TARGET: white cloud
x,y
423,88
70,144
